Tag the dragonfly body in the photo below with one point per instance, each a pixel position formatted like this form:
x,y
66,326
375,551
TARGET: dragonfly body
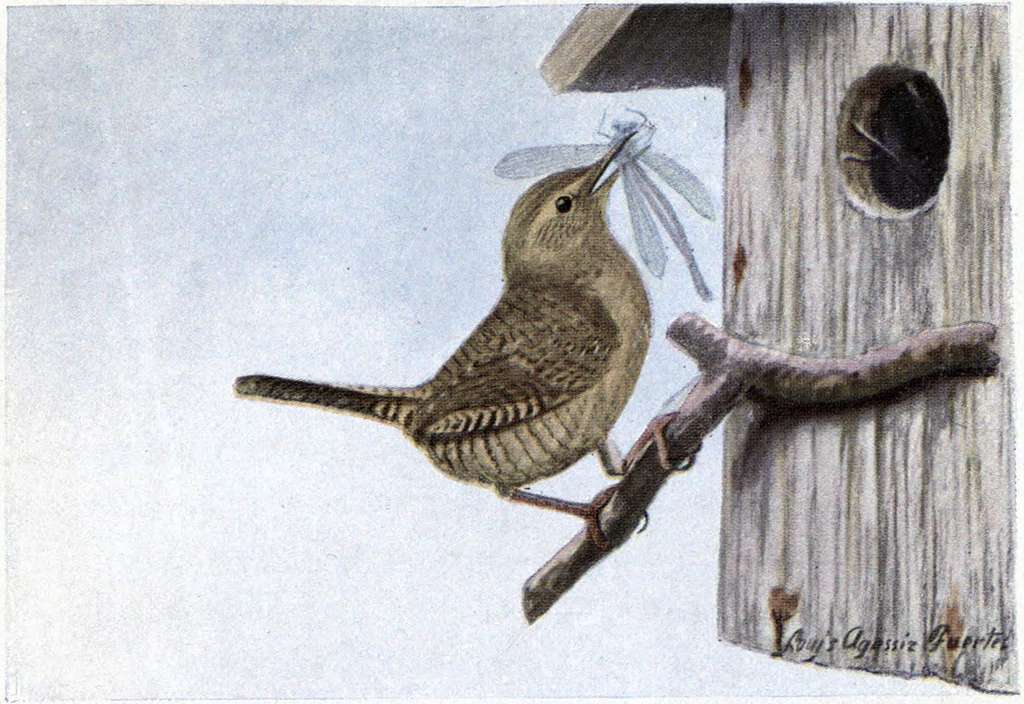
x,y
649,208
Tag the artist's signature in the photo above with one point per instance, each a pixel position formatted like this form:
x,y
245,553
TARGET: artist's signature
x,y
863,643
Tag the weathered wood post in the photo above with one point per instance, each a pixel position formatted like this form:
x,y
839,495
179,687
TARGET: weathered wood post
x,y
894,521
867,159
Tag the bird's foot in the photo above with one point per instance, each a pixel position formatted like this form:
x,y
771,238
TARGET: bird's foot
x,y
594,530
589,512
593,518
655,432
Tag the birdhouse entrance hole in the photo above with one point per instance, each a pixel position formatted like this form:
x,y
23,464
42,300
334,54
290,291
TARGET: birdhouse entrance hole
x,y
893,142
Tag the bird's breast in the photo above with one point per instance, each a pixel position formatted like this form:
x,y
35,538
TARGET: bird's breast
x,y
625,297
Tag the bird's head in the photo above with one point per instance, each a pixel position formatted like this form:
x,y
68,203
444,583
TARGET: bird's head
x,y
558,226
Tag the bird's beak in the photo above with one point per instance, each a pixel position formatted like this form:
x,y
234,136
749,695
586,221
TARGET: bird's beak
x,y
601,175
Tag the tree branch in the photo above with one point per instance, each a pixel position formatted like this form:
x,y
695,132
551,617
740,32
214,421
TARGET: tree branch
x,y
731,370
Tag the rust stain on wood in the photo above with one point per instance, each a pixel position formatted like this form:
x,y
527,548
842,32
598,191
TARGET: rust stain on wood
x,y
739,266
956,626
746,82
781,606
955,623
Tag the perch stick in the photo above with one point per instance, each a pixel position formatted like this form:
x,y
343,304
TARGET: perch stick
x,y
732,369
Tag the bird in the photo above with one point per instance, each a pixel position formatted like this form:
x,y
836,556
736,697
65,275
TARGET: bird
x,y
540,382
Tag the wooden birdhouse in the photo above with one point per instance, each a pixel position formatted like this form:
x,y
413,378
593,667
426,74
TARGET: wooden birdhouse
x,y
867,198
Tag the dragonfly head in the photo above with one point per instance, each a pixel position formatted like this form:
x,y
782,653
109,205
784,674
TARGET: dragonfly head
x,y
558,225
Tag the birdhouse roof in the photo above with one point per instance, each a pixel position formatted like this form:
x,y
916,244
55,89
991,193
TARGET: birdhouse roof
x,y
612,48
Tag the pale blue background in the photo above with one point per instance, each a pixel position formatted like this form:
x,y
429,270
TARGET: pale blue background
x,y
200,193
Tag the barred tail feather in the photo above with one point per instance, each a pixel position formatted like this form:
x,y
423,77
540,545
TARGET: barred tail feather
x,y
379,403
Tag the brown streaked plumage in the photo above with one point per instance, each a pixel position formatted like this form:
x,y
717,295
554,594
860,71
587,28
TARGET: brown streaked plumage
x,y
542,379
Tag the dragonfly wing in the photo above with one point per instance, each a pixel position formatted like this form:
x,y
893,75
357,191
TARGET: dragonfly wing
x,y
681,180
645,232
541,161
663,211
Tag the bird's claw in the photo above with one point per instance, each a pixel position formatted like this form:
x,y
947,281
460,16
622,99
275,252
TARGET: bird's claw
x,y
593,518
687,463
654,432
594,521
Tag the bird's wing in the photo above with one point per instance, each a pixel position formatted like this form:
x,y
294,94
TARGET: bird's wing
x,y
536,350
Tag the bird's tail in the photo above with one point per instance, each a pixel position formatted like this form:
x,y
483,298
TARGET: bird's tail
x,y
386,405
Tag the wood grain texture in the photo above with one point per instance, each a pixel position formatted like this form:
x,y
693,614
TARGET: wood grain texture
x,y
896,518
731,370
610,48
581,42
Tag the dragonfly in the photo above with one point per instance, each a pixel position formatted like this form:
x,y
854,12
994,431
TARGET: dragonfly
x,y
646,202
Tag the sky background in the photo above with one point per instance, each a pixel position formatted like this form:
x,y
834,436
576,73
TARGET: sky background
x,y
199,193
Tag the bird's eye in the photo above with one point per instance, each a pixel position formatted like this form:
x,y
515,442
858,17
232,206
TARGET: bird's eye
x,y
563,204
